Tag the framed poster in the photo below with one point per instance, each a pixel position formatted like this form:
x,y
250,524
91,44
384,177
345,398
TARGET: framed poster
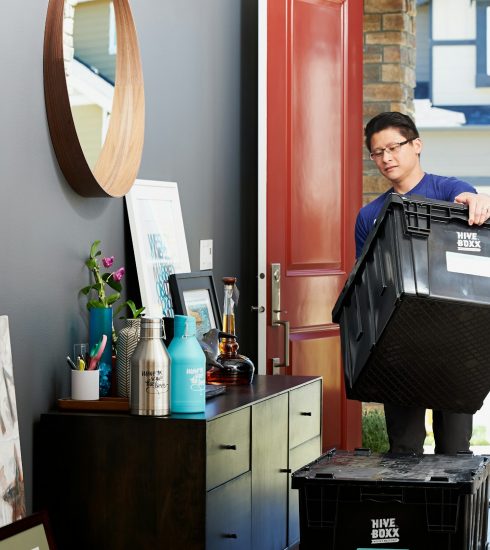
x,y
195,294
12,501
160,247
32,532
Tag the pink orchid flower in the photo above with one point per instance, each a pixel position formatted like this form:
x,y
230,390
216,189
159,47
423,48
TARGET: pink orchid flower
x,y
119,274
107,262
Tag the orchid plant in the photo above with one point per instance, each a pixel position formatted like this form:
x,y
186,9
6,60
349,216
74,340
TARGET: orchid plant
x,y
102,281
99,291
111,279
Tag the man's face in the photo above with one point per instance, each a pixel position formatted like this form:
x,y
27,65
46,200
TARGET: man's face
x,y
400,164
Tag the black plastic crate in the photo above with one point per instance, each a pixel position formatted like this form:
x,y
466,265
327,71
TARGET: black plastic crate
x,y
355,501
414,313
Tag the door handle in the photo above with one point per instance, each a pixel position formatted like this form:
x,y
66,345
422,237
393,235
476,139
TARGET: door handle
x,y
275,361
276,314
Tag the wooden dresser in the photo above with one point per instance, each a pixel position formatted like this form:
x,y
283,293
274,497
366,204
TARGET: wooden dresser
x,y
215,480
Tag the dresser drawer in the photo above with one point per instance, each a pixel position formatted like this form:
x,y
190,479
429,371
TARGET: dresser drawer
x,y
228,447
228,511
304,413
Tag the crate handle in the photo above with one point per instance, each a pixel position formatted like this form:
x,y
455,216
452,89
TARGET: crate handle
x,y
439,478
229,535
305,413
414,214
228,447
362,451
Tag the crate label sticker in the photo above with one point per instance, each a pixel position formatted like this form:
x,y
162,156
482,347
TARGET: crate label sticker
x,y
468,265
384,531
468,241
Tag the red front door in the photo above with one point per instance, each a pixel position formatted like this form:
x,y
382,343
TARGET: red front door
x,y
314,183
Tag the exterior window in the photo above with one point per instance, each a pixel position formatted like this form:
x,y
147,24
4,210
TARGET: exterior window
x,y
488,41
112,30
483,43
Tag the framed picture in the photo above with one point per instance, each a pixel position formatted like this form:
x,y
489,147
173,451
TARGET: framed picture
x,y
195,294
30,532
12,501
160,248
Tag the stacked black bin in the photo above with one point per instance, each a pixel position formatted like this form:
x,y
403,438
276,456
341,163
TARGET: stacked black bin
x,y
415,311
352,501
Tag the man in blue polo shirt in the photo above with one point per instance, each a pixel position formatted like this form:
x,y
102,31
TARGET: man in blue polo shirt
x,y
394,145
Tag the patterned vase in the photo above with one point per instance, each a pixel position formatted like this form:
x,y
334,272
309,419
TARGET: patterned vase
x,y
100,322
126,343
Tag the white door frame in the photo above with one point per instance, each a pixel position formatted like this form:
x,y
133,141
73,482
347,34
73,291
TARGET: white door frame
x,y
262,185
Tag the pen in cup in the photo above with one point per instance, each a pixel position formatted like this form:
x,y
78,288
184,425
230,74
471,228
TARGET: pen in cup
x,y
71,363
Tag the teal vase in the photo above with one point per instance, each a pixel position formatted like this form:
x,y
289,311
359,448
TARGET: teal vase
x,y
100,322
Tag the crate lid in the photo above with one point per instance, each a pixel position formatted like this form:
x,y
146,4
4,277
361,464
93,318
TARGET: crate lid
x,y
464,472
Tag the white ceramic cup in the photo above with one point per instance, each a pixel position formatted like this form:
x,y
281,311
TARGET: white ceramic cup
x,y
85,385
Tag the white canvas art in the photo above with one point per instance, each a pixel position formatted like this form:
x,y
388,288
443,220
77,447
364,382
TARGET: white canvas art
x,y
159,244
12,501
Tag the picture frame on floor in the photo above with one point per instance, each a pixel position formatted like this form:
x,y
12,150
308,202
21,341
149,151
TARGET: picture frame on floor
x,y
32,531
12,501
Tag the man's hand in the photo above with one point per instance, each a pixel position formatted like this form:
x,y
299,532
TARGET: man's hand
x,y
478,206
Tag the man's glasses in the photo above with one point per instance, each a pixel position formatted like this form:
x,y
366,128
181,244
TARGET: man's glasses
x,y
392,149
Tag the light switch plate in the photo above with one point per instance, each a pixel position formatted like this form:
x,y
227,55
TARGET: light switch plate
x,y
206,255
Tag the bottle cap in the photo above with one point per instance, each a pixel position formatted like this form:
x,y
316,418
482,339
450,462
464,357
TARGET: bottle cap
x,y
151,327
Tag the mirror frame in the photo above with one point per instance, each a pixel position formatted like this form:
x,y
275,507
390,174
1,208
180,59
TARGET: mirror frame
x,y
119,160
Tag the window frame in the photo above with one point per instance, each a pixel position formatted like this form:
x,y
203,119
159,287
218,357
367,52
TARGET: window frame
x,y
482,43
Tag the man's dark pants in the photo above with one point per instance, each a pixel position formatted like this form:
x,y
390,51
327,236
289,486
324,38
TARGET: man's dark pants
x,y
406,430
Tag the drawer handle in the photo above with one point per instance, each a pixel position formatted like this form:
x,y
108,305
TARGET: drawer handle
x,y
305,413
229,447
230,536
285,470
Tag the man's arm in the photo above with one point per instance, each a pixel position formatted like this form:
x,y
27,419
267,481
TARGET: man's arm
x,y
361,234
478,206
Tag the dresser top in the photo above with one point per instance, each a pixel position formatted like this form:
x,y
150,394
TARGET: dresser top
x,y
263,387
235,397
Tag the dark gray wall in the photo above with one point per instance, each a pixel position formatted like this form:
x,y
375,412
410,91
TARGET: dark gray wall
x,y
200,68
200,81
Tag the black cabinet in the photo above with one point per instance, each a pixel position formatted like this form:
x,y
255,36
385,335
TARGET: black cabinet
x,y
215,480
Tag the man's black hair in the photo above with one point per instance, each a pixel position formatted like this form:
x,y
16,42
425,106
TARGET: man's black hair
x,y
392,119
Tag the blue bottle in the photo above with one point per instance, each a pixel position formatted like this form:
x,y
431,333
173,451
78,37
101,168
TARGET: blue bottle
x,y
188,368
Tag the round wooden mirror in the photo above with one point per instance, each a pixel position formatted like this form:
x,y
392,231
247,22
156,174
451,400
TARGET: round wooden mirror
x,y
116,167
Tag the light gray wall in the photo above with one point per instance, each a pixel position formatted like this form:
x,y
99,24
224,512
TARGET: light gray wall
x,y
200,132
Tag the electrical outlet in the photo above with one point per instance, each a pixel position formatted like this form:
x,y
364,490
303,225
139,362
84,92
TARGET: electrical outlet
x,y
206,255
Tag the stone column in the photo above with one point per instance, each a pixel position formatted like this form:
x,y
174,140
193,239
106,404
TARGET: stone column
x,y
68,50
389,71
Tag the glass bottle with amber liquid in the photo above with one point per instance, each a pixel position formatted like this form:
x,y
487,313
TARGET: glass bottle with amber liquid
x,y
233,369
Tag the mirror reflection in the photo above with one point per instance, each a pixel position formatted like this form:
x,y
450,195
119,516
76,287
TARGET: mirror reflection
x,y
89,51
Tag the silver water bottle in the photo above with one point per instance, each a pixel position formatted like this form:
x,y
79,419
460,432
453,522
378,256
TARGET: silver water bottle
x,y
150,372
